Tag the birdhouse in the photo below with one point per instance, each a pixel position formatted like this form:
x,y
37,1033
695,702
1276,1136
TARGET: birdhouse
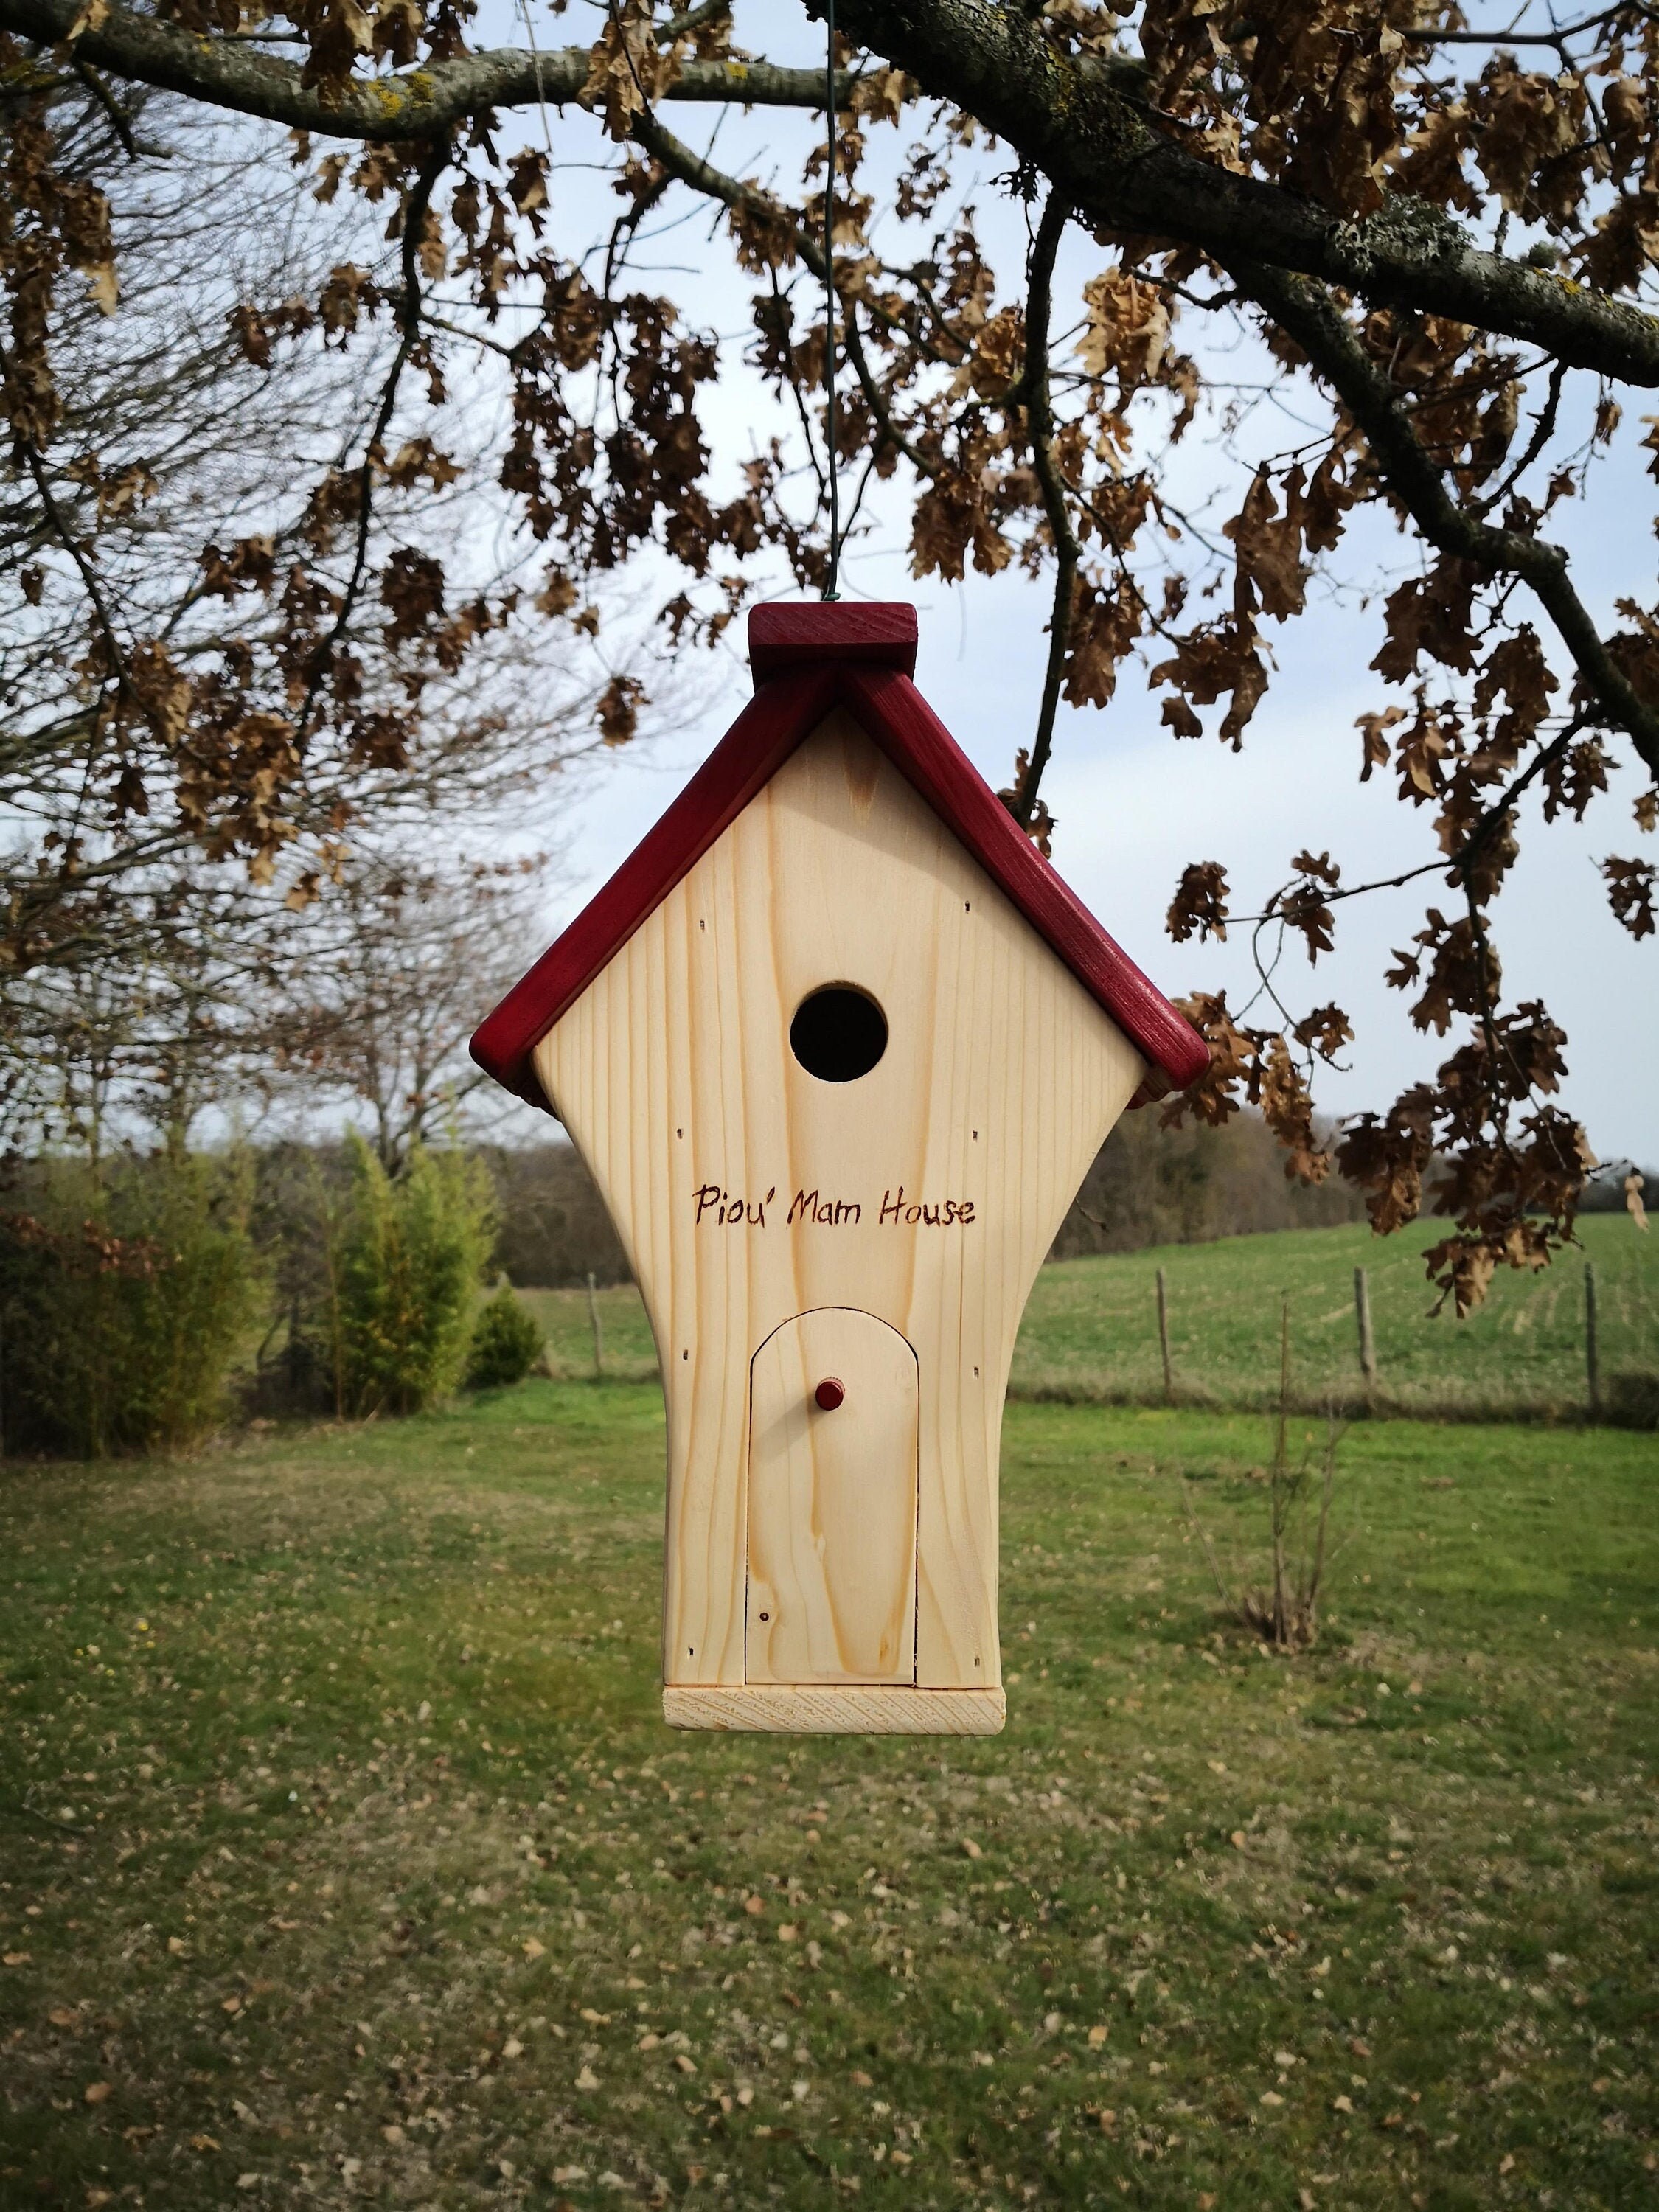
x,y
838,1046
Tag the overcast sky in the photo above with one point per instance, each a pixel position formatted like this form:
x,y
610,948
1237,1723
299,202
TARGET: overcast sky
x,y
1133,806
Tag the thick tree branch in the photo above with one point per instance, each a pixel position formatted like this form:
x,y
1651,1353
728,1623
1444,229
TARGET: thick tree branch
x,y
425,102
1308,314
1078,119
1102,154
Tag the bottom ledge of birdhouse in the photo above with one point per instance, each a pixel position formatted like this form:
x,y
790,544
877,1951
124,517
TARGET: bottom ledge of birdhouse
x,y
860,1709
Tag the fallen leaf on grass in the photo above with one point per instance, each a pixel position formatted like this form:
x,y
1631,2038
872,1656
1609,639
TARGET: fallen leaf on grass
x,y
861,2080
17,1958
176,1946
204,2142
686,2065
61,2016
565,2173
1236,1839
971,1848
789,1932
1342,2104
511,2048
96,2092
1098,2036
1271,2097
754,1905
588,2079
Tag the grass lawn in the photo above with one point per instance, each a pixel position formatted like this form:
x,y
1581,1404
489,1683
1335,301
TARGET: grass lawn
x,y
343,1858
1091,1330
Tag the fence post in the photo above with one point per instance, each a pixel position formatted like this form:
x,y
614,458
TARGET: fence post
x,y
1592,1356
598,1334
1362,1306
1163,1334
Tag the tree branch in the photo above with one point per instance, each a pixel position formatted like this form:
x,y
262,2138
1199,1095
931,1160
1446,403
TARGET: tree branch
x,y
1078,119
424,102
408,333
1307,313
1100,149
703,176
1032,386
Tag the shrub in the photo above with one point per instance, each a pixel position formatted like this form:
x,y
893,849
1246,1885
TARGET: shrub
x,y
123,1297
506,1342
404,1271
1630,1400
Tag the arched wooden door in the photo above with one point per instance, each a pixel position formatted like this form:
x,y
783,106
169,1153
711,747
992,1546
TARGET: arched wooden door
x,y
832,1502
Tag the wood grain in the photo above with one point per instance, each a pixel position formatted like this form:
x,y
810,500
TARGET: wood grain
x,y
785,633
673,1074
857,1711
788,706
832,1504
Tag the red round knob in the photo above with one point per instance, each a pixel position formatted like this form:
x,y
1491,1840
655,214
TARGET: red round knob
x,y
828,1393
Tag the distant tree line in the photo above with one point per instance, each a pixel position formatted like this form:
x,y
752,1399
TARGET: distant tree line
x,y
1149,1185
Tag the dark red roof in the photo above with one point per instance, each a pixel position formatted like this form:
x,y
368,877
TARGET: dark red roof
x,y
808,658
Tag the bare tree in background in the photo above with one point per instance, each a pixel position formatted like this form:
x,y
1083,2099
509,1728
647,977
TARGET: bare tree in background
x,y
143,980
378,999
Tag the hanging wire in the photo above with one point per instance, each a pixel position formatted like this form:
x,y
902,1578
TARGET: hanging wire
x,y
833,577
547,128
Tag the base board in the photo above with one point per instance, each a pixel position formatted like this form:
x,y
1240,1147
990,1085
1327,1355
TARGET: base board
x,y
861,1708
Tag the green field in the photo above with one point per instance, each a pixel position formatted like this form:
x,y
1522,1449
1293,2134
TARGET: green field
x,y
1091,1329
344,1861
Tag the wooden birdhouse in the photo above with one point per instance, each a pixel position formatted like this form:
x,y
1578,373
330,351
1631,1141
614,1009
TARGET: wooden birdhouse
x,y
838,1046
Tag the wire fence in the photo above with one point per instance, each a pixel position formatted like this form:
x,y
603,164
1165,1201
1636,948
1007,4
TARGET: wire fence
x,y
1198,1325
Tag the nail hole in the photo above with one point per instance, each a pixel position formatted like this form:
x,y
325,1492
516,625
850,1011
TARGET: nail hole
x,y
766,1616
686,1355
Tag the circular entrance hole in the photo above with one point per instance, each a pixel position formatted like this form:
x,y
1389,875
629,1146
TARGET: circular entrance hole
x,y
838,1034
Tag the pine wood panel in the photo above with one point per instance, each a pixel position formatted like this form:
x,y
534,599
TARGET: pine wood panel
x,y
832,1504
842,1711
673,1074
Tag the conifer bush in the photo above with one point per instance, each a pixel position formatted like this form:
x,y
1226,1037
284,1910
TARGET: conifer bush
x,y
506,1342
404,1269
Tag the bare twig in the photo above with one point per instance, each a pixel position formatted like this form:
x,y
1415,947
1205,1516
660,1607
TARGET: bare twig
x,y
1309,314
1033,382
